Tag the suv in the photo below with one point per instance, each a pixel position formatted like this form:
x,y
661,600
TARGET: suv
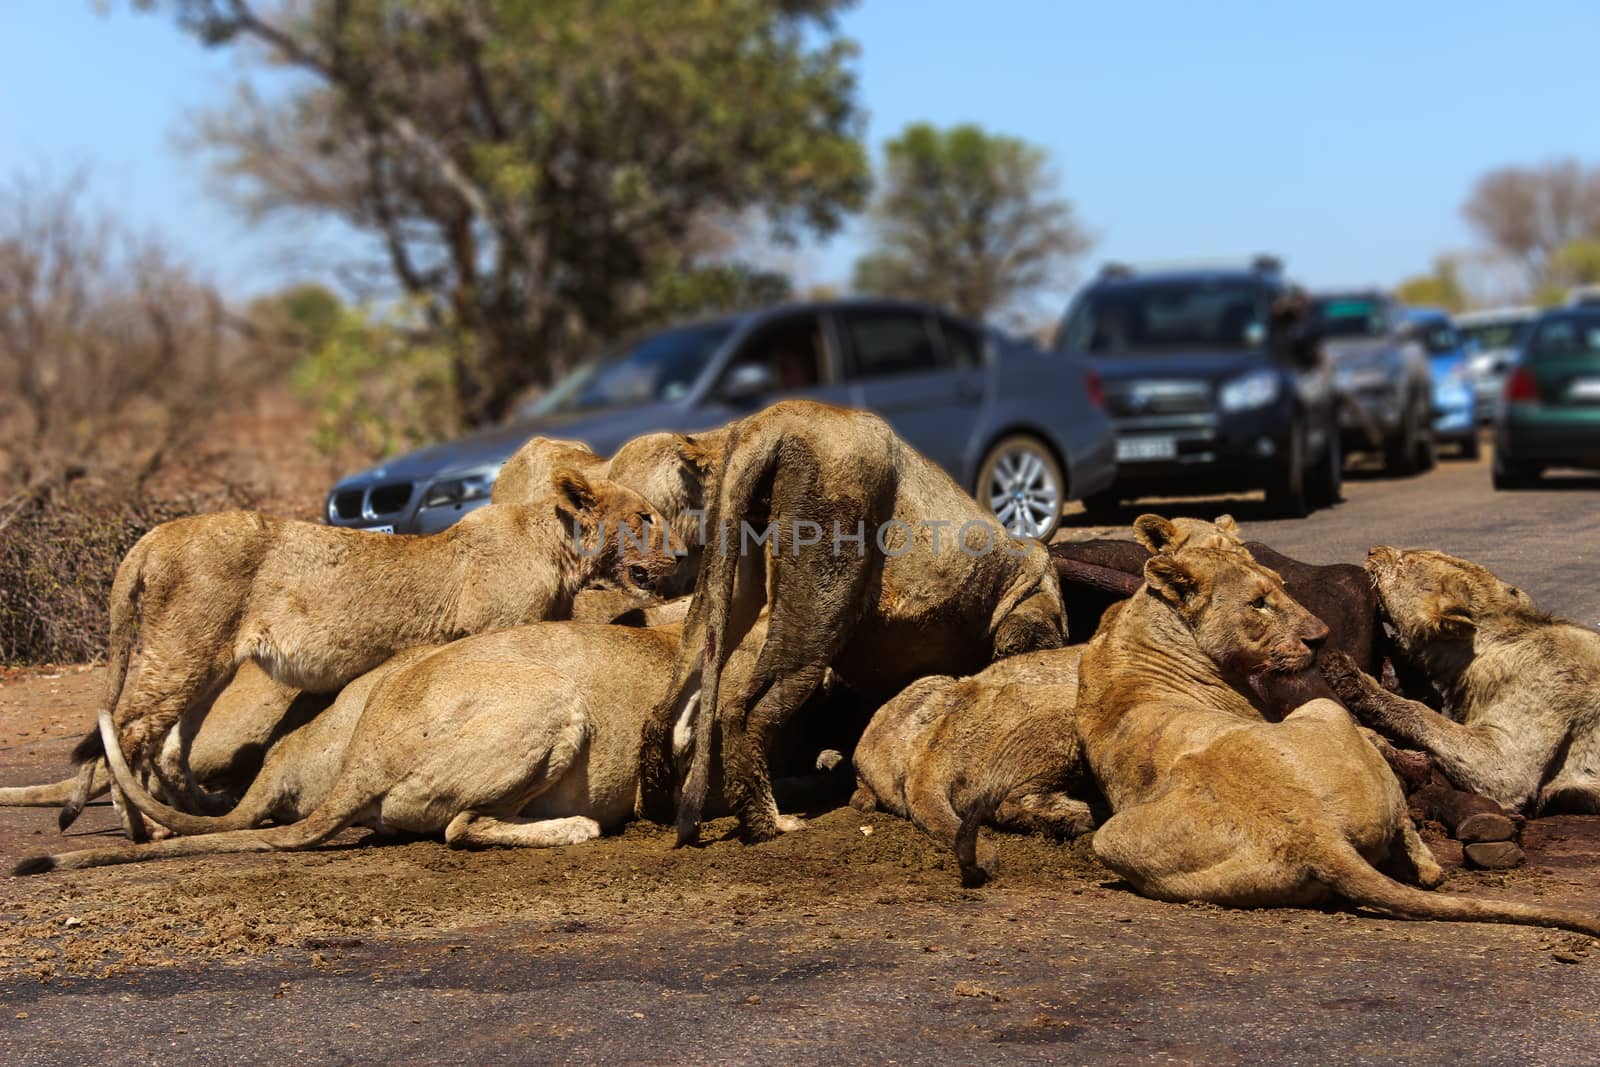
x,y
1494,336
1551,414
1210,383
1381,370
1021,429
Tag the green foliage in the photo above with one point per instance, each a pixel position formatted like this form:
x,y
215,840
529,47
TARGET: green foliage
x,y
969,219
718,287
531,166
1577,262
379,385
1440,289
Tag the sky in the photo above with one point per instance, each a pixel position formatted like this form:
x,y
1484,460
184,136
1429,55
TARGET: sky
x,y
1341,138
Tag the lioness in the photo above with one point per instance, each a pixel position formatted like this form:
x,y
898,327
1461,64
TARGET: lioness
x,y
522,737
315,606
1212,802
668,469
879,566
949,753
1524,686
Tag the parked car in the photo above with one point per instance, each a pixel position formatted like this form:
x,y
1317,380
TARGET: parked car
x,y
1016,425
1551,414
1382,375
1206,395
1455,404
1493,338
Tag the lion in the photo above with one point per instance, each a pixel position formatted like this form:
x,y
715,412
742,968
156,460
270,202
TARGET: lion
x,y
1214,803
526,737
668,469
316,606
857,580
949,754
1523,686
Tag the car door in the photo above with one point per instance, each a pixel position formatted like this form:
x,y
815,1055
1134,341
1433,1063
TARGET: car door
x,y
922,372
797,350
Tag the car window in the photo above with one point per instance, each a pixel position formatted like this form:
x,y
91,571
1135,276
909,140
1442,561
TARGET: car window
x,y
885,343
791,349
963,346
1438,336
1166,315
659,367
1350,317
1575,336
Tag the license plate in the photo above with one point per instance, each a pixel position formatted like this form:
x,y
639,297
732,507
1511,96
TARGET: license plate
x,y
378,529
1586,389
1140,449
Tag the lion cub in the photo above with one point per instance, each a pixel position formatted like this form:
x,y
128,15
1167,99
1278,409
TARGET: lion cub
x,y
1525,686
315,606
1212,802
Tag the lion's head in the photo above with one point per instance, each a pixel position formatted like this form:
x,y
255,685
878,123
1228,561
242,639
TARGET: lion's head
x,y
1432,598
1238,611
615,526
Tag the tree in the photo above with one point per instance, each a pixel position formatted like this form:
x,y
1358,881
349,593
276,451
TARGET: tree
x,y
968,219
1528,213
1442,288
531,168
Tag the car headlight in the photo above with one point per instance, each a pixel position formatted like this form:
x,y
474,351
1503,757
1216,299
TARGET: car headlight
x,y
474,485
1254,390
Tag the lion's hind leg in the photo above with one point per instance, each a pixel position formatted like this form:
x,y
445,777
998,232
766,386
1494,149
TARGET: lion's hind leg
x,y
1173,849
472,829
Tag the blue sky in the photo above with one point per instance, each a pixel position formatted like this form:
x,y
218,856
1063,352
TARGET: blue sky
x,y
1343,138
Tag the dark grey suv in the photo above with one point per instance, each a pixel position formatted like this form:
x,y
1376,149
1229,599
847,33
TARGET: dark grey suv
x,y
1212,382
1019,427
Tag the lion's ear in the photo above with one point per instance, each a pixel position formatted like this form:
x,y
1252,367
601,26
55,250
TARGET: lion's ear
x,y
574,494
1157,534
1226,524
1168,578
1450,607
696,454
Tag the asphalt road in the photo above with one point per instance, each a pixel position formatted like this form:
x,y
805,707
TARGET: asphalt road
x,y
812,948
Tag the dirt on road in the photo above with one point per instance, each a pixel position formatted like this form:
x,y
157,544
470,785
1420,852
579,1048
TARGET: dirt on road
x,y
851,941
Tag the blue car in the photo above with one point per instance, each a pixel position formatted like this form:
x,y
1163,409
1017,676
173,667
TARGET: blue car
x,y
1455,401
1023,430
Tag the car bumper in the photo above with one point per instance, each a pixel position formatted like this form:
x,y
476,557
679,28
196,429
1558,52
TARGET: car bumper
x,y
1552,436
1209,453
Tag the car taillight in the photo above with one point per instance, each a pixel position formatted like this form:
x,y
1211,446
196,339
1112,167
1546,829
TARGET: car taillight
x,y
1521,388
1095,388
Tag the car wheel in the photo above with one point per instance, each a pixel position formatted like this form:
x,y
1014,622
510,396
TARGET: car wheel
x,y
1402,453
1288,496
1021,482
1509,474
1327,483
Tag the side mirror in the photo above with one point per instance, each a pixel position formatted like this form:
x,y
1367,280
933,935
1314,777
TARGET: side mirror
x,y
747,381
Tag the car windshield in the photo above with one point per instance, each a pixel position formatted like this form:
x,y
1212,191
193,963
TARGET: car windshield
x,y
1156,317
1438,336
1348,317
1574,335
1497,333
661,367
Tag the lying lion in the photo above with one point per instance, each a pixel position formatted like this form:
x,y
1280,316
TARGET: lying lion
x,y
855,583
1524,686
1211,802
950,753
524,737
315,606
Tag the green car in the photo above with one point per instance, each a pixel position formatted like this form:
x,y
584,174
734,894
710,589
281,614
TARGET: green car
x,y
1551,413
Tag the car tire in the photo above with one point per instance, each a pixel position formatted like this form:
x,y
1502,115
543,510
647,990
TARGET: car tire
x,y
1289,497
1021,483
1327,481
1403,453
1509,474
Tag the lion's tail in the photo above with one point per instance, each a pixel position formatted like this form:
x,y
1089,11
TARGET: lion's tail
x,y
53,794
125,591
1345,871
750,465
